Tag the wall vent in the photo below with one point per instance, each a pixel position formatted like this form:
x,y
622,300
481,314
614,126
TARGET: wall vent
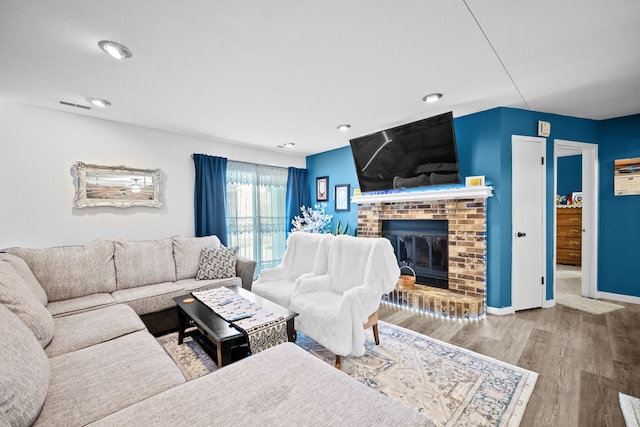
x,y
71,104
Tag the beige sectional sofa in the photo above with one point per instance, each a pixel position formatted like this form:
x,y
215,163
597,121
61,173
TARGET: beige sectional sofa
x,y
74,350
146,275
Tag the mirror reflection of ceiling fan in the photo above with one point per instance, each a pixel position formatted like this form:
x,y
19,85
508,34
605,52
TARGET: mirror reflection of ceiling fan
x,y
135,187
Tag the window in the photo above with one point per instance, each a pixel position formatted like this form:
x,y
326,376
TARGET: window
x,y
256,212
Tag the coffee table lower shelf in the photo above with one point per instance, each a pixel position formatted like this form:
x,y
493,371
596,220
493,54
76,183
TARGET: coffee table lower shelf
x,y
222,354
222,342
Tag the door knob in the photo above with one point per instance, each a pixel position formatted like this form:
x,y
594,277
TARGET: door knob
x,y
521,234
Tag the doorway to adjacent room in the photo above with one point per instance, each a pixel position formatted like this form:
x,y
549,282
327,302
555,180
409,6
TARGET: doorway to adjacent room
x,y
585,271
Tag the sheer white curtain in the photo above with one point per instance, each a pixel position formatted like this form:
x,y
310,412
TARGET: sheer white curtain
x,y
256,212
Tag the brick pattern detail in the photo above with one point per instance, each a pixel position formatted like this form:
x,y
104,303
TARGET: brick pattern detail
x,y
466,296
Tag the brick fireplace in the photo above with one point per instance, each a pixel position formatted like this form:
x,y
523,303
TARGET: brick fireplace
x,y
465,210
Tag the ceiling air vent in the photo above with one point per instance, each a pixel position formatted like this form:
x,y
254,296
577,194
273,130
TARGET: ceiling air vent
x,y
71,104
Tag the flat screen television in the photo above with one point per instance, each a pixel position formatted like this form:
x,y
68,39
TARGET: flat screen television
x,y
417,154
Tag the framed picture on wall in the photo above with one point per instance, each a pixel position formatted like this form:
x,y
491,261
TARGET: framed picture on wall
x,y
322,189
342,197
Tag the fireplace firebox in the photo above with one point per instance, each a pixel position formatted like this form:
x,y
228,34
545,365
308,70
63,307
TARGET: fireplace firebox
x,y
423,246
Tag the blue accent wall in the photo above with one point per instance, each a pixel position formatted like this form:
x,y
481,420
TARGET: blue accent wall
x,y
619,216
339,167
525,123
480,153
569,175
484,148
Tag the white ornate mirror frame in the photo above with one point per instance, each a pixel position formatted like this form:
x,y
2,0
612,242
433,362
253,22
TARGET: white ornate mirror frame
x,y
117,186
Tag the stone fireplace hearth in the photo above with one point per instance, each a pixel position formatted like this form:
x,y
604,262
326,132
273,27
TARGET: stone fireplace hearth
x,y
465,210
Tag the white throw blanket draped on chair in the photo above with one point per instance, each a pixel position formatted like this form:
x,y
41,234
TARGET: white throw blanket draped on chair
x,y
306,255
333,307
299,258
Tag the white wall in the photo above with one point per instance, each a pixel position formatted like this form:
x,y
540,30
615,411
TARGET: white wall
x,y
38,148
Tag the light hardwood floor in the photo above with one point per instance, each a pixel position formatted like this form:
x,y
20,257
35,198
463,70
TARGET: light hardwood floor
x,y
583,360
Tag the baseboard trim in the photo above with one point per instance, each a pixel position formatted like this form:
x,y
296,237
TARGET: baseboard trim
x,y
619,297
500,311
549,303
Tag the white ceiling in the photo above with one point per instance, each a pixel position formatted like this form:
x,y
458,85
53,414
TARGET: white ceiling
x,y
264,73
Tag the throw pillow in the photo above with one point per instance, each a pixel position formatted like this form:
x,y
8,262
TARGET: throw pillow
x,y
217,263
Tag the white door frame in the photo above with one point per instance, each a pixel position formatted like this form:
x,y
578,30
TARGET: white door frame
x,y
590,196
543,205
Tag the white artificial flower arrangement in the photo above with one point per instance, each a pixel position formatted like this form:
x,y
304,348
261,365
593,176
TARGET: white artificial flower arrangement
x,y
312,220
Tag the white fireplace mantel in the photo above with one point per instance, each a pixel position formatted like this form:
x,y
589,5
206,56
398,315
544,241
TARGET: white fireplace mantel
x,y
454,193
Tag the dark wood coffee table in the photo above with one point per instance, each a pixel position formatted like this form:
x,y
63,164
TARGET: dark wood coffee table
x,y
223,342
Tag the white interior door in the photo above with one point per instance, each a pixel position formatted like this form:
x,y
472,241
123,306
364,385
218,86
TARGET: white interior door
x,y
528,220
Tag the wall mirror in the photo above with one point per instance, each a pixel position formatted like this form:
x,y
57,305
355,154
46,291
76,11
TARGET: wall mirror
x,y
117,186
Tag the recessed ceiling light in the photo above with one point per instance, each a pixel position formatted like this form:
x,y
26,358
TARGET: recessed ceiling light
x,y
344,127
103,103
432,97
287,145
114,49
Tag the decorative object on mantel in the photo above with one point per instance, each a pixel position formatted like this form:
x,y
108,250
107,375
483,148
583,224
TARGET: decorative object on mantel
x,y
117,186
474,181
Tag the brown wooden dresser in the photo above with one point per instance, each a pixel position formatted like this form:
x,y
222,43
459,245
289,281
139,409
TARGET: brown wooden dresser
x,y
569,235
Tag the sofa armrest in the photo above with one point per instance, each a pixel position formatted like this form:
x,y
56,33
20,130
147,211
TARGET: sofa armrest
x,y
245,268
271,274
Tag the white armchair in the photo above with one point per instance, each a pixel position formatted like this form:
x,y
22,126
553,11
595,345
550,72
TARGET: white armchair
x,y
306,254
335,308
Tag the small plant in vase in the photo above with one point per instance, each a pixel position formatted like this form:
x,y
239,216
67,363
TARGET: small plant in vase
x,y
338,230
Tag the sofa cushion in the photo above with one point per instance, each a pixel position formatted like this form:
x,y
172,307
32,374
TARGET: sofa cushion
x,y
24,372
23,269
72,271
186,251
89,328
283,385
190,285
278,291
144,263
17,297
150,298
80,304
96,381
331,330
217,263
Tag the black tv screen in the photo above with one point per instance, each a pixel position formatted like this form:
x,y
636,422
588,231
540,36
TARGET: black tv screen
x,y
417,154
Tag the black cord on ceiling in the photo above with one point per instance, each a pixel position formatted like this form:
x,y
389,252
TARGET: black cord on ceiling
x,y
496,53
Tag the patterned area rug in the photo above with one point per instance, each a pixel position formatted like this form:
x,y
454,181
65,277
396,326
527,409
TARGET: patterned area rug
x,y
451,385
190,357
630,409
